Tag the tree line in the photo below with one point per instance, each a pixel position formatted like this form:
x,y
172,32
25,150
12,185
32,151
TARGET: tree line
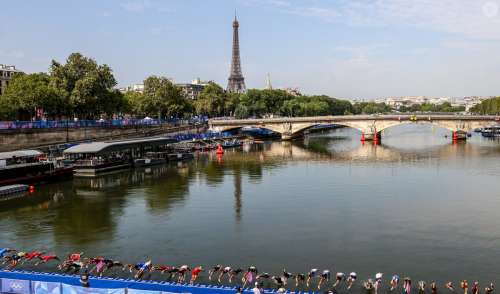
x,y
82,88
489,106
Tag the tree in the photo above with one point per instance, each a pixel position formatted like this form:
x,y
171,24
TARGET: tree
x,y
85,85
489,106
29,94
163,98
212,101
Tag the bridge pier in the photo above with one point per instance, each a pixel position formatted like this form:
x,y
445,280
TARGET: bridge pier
x,y
459,136
368,136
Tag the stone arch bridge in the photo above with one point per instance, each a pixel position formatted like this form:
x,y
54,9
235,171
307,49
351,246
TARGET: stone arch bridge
x,y
370,126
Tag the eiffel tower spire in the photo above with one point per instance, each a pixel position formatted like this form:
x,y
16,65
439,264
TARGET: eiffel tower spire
x,y
236,81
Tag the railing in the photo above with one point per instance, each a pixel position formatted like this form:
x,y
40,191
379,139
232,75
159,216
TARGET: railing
x,y
74,124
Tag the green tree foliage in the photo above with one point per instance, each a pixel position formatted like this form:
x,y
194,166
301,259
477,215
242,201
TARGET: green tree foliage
x,y
258,103
86,86
489,106
370,108
27,94
162,98
213,101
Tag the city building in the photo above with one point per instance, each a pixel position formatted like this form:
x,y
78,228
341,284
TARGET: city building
x,y
193,90
139,88
293,91
6,74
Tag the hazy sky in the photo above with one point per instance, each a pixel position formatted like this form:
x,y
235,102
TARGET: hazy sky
x,y
343,48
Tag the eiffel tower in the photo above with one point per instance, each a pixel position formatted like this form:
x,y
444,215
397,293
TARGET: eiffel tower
x,y
236,81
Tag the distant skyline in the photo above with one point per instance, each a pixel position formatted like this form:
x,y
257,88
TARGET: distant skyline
x,y
343,48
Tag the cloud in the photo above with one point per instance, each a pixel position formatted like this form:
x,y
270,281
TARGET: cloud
x,y
136,6
479,19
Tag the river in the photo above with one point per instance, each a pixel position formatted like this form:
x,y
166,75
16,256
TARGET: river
x,y
417,205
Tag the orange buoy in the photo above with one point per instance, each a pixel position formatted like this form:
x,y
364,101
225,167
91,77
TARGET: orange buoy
x,y
219,149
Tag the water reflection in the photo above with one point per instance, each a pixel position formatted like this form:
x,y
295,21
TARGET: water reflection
x,y
355,205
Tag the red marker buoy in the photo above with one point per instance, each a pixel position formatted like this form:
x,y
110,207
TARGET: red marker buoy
x,y
219,151
31,188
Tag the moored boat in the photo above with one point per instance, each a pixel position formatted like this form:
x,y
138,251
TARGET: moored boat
x,y
491,132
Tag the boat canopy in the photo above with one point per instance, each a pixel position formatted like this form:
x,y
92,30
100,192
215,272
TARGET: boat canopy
x,y
19,154
112,146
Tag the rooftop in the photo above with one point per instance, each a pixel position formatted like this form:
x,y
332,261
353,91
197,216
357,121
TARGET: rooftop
x,y
109,146
20,154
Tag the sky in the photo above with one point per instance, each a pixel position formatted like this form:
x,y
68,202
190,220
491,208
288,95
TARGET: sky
x,y
355,49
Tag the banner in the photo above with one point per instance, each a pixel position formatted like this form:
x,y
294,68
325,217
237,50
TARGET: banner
x,y
45,287
16,286
68,289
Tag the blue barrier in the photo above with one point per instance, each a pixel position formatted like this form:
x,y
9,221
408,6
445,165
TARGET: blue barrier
x,y
42,124
27,282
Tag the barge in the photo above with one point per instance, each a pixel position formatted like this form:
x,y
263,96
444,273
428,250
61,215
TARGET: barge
x,y
91,159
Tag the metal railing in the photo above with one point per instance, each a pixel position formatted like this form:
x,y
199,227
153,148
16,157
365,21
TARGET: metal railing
x,y
74,124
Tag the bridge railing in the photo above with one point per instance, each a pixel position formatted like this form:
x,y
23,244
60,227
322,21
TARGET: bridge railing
x,y
74,124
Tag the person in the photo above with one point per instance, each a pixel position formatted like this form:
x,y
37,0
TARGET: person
x,y
338,279
465,286
161,268
325,277
172,272
421,287
258,289
84,279
224,271
278,281
299,278
394,282
142,268
239,290
182,273
195,273
46,259
234,273
5,251
248,276
264,276
434,288
475,287
75,256
286,276
32,255
378,281
351,279
14,259
489,289
310,275
111,264
368,285
449,286
407,285
214,270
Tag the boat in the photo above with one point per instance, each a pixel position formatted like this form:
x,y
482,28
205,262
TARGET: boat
x,y
91,159
491,132
151,158
13,191
30,167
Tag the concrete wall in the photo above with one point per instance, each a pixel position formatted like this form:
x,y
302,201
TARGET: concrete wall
x,y
31,138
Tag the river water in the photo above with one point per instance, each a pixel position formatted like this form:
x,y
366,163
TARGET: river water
x,y
416,205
